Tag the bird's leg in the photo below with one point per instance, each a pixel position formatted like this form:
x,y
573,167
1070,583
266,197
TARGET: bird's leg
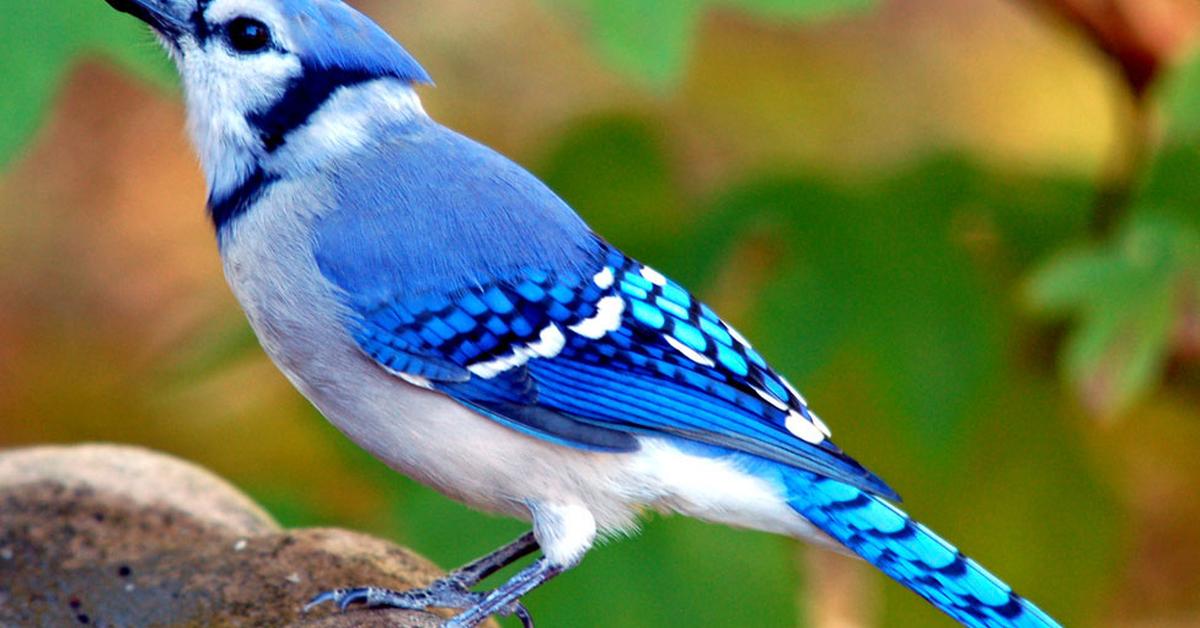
x,y
472,573
508,595
452,591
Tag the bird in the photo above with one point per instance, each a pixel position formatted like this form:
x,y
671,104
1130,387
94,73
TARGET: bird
x,y
452,315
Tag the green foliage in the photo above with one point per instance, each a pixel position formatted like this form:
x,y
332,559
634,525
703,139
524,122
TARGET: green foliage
x,y
42,39
1180,95
1128,293
619,161
1126,297
651,40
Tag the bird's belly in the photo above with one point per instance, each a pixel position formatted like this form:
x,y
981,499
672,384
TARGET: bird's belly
x,y
442,444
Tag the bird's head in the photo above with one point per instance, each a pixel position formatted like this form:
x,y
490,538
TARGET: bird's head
x,y
265,76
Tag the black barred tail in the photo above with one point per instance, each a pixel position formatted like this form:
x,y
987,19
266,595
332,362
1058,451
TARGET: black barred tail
x,y
911,554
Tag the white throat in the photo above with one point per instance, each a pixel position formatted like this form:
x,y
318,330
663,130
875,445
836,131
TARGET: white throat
x,y
221,92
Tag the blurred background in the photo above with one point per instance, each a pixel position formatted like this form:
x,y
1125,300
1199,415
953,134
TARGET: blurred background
x,y
969,230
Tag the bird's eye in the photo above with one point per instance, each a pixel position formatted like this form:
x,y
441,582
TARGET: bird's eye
x,y
247,34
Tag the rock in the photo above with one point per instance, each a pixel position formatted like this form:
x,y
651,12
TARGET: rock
x,y
110,535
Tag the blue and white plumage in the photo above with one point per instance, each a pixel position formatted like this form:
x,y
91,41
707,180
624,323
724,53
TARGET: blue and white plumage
x,y
450,314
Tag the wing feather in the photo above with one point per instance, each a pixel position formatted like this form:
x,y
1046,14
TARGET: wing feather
x,y
592,361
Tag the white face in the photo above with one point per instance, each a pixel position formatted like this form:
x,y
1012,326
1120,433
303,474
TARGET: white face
x,y
254,105
227,77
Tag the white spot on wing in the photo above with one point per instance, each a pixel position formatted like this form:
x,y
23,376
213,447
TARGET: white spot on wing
x,y
795,393
415,380
820,424
653,276
691,354
803,429
604,279
483,369
772,399
550,341
607,318
492,368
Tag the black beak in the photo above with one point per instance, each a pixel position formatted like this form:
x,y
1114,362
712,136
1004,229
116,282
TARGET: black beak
x,y
153,13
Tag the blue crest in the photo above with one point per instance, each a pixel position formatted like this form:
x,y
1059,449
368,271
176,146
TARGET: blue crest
x,y
332,35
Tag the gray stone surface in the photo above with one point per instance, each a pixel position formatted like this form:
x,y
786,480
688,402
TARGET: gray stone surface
x,y
108,535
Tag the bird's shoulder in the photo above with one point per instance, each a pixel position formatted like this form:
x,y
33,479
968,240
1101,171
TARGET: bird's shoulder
x,y
427,210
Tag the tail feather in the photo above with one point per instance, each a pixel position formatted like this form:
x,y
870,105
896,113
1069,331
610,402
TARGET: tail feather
x,y
911,554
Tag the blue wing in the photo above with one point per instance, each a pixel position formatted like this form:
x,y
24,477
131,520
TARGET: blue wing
x,y
592,360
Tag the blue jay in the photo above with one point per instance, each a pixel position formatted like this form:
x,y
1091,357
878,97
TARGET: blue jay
x,y
450,314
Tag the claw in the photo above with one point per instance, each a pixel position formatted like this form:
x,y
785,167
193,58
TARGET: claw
x,y
321,598
352,596
342,598
522,614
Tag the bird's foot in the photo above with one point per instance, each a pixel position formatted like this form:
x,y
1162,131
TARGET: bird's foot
x,y
449,592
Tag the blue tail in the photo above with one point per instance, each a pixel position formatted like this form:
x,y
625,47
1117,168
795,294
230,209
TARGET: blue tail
x,y
910,553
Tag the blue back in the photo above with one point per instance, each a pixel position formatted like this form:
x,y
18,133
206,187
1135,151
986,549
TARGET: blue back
x,y
430,212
